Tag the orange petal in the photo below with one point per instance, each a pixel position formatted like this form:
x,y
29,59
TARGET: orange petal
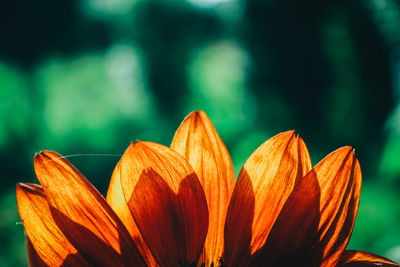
x,y
340,181
46,244
167,202
353,258
295,226
34,259
315,224
264,183
116,200
83,215
198,141
304,157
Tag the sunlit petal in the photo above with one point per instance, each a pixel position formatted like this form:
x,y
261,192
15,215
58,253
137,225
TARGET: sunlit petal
x,y
180,206
167,202
264,183
46,244
291,236
304,157
353,258
198,141
34,259
315,224
115,198
340,182
82,213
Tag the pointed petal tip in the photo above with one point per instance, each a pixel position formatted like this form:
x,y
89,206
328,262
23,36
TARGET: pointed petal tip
x,y
361,258
350,150
41,152
45,153
30,185
347,150
142,144
297,135
137,146
24,187
27,188
38,159
50,155
287,134
37,155
193,114
201,112
299,139
133,144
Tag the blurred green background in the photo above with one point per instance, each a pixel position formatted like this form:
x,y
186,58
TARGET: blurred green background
x,y
89,76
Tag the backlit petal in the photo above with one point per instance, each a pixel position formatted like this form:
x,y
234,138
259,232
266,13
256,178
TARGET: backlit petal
x,y
340,182
198,141
115,198
263,186
46,244
167,202
315,224
83,215
295,227
34,259
353,258
304,157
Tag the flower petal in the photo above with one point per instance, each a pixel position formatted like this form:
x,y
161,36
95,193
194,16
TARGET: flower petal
x,y
264,183
46,244
167,202
304,157
353,258
315,223
83,215
116,200
198,141
295,226
34,259
340,182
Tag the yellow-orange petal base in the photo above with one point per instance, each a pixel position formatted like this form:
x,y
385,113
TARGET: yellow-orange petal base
x,y
180,206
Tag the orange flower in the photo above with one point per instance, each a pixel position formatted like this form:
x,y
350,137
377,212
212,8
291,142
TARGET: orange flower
x,y
180,206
